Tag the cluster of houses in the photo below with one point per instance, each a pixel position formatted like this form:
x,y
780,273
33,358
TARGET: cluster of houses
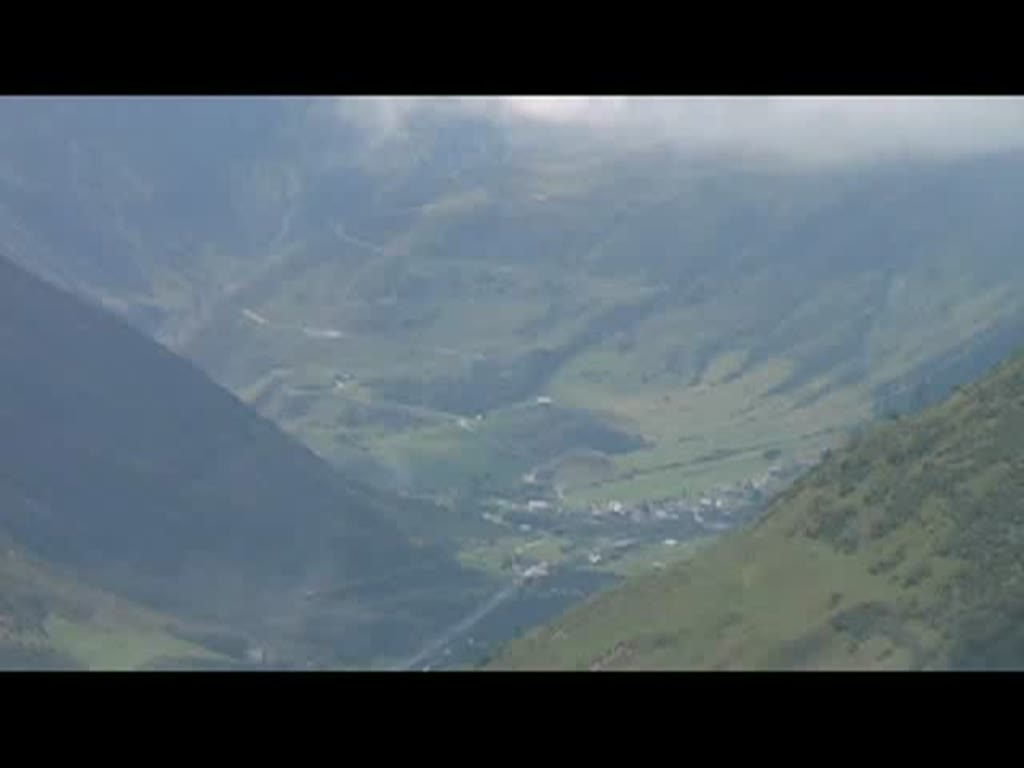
x,y
722,507
718,509
668,521
672,509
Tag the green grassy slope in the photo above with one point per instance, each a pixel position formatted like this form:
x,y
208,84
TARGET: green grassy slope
x,y
708,309
900,551
51,620
694,322
706,312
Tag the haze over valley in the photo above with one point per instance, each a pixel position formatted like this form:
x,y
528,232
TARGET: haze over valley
x,y
438,383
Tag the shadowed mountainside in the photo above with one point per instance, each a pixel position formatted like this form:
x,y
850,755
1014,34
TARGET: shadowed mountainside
x,y
125,464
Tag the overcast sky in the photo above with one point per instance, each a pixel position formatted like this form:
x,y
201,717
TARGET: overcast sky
x,y
803,129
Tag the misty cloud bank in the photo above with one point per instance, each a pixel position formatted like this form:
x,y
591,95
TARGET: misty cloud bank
x,y
802,130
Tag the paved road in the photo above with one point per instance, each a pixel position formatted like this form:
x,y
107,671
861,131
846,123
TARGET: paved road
x,y
462,627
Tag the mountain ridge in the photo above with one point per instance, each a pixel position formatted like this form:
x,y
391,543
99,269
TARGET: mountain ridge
x,y
896,552
452,263
129,466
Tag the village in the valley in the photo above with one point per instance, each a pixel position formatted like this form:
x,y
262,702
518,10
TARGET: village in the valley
x,y
593,542
606,531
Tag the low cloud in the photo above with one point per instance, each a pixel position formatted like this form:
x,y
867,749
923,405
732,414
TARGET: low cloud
x,y
811,130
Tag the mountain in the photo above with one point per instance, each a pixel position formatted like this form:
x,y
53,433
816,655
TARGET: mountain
x,y
126,468
492,321
690,312
900,551
367,294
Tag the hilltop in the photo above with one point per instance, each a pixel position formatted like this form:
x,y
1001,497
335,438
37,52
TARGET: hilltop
x,y
900,551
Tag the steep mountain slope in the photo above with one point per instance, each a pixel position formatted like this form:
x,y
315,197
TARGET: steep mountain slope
x,y
126,466
902,550
697,310
691,316
160,207
491,318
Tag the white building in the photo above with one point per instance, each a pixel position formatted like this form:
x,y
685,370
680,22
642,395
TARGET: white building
x,y
536,571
